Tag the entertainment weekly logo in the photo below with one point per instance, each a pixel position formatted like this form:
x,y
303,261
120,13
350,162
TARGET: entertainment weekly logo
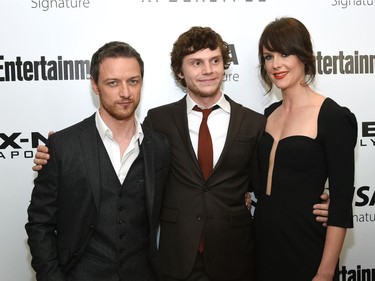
x,y
345,63
356,274
45,68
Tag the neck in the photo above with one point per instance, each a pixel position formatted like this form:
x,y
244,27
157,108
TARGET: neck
x,y
121,129
296,97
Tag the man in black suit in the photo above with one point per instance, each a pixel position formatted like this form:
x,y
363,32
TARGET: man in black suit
x,y
94,210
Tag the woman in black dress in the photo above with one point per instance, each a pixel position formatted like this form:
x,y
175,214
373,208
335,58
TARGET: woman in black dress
x,y
308,139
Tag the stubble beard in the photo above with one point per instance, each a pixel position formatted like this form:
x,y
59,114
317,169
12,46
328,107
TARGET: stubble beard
x,y
206,94
121,114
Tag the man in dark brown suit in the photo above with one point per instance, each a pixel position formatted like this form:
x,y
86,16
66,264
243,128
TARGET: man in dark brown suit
x,y
211,209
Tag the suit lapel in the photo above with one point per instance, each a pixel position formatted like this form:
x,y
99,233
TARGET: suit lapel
x,y
236,116
148,161
89,139
181,122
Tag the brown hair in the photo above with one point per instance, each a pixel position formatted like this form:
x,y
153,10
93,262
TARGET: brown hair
x,y
114,49
195,39
287,36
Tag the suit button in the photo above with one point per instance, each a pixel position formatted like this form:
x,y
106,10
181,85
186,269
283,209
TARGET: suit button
x,y
205,188
199,218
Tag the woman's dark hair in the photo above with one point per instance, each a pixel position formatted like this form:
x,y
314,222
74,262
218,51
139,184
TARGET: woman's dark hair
x,y
114,49
287,36
196,39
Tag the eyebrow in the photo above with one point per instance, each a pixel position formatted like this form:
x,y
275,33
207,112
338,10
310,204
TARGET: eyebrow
x,y
200,58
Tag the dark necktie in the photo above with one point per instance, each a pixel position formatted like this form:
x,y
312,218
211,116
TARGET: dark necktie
x,y
205,150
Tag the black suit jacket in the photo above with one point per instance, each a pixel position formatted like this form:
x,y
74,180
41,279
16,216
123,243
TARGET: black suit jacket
x,y
66,197
216,206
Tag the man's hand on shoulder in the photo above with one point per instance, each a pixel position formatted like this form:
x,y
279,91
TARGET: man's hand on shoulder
x,y
41,156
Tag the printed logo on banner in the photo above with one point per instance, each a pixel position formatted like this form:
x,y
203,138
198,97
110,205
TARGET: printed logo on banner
x,y
345,63
358,274
368,134
46,5
13,145
43,69
365,197
233,76
352,3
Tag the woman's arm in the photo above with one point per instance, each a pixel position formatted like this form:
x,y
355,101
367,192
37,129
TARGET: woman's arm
x,y
332,248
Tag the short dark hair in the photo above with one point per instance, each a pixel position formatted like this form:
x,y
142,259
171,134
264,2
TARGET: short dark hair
x,y
287,36
114,49
196,39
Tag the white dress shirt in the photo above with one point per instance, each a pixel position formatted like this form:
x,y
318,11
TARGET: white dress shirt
x,y
121,165
218,123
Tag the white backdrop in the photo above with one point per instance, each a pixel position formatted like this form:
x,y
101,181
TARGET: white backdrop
x,y
48,32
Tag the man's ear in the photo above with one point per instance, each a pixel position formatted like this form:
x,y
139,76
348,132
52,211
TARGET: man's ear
x,y
94,86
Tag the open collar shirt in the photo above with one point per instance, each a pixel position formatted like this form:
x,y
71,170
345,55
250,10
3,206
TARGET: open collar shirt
x,y
120,164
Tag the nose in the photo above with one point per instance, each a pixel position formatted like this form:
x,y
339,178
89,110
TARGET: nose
x,y
276,62
207,68
124,91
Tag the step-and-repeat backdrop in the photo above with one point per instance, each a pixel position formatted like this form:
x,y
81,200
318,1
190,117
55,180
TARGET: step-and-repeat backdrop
x,y
46,47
